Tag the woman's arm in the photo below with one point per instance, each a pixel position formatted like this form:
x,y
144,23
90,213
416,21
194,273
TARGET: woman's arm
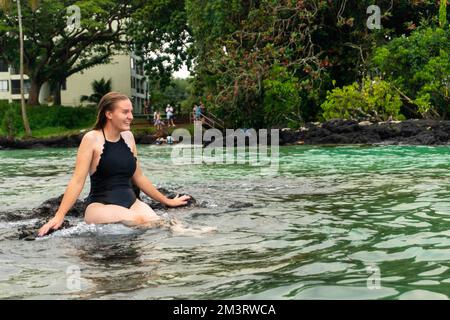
x,y
143,183
76,184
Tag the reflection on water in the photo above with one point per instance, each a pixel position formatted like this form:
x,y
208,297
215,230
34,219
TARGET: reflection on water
x,y
114,264
317,229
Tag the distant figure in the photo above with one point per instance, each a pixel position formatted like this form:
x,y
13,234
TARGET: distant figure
x,y
160,141
202,108
157,120
197,112
169,114
194,109
146,107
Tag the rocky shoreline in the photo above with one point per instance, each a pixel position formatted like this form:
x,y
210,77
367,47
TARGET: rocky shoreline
x,y
333,132
72,141
409,132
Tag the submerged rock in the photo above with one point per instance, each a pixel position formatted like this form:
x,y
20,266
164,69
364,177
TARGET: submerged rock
x,y
240,205
29,233
155,205
47,209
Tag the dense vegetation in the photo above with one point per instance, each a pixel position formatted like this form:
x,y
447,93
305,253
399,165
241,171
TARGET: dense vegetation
x,y
258,63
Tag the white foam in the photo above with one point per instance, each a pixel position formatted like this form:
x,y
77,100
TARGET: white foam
x,y
93,229
9,224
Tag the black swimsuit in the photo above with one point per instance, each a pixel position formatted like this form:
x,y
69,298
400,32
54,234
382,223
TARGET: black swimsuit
x,y
111,182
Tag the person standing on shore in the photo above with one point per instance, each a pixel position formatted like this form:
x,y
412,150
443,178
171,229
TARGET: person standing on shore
x,y
169,114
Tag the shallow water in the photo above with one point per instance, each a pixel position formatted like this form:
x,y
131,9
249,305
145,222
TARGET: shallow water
x,y
334,223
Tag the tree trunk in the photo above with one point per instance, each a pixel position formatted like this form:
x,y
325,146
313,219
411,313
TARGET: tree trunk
x,y
57,94
26,124
33,97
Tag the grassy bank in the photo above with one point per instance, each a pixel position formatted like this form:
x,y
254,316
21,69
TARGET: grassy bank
x,y
57,121
45,121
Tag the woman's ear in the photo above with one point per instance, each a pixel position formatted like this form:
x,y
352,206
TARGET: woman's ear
x,y
108,115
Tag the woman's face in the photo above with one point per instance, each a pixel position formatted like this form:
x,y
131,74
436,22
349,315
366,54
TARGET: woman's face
x,y
122,115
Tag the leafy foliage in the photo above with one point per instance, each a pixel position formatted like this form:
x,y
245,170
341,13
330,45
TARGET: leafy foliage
x,y
374,100
239,46
419,66
47,116
99,89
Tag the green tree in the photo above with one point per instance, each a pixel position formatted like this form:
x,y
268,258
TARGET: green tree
x,y
99,89
282,100
443,13
418,65
53,52
238,44
373,100
5,6
175,94
162,37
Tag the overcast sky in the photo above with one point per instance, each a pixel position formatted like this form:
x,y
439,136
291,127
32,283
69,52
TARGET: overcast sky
x,y
183,73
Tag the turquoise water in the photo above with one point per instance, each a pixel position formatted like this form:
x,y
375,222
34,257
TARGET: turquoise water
x,y
333,223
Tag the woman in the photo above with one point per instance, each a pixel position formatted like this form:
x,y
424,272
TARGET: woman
x,y
108,154
157,120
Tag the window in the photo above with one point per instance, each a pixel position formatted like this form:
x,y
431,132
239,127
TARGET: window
x,y
15,86
14,70
3,66
4,86
139,69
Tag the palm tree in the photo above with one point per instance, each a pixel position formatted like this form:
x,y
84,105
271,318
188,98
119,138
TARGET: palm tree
x,y
5,5
100,88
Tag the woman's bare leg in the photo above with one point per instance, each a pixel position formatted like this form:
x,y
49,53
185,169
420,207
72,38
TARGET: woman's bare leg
x,y
149,218
138,214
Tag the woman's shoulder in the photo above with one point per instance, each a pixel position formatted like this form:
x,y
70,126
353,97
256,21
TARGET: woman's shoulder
x,y
128,135
90,139
91,135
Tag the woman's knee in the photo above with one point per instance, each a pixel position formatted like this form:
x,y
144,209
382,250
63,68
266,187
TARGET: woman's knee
x,y
144,218
143,208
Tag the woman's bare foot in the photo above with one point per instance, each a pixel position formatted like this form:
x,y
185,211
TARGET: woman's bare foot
x,y
177,228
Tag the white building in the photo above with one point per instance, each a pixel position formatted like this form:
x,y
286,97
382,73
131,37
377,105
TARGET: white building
x,y
10,83
126,74
125,71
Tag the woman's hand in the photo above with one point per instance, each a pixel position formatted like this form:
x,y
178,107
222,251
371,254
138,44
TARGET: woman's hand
x,y
178,201
54,224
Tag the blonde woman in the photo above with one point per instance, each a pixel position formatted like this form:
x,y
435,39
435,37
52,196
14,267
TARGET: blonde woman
x,y
108,154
